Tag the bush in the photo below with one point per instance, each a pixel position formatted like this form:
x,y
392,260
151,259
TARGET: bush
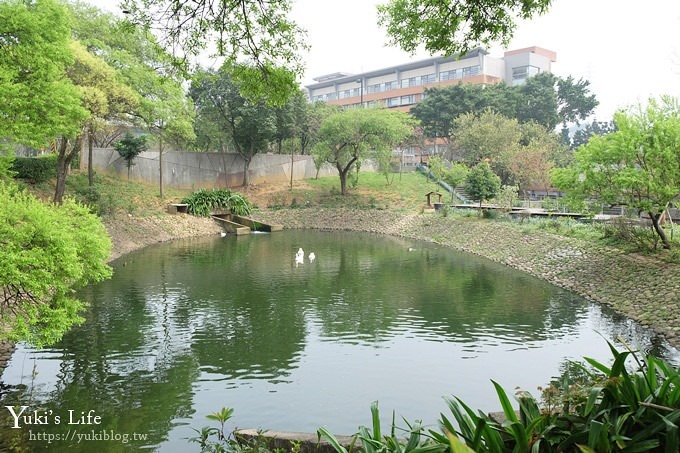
x,y
35,169
624,231
48,251
201,203
489,213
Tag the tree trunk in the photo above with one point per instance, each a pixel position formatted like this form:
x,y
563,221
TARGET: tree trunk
x,y
224,168
343,182
64,160
160,165
246,166
659,229
291,169
90,146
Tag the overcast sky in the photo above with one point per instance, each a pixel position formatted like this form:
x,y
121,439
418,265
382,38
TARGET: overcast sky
x,y
629,50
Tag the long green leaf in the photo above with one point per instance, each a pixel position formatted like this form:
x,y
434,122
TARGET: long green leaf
x,y
375,415
594,432
332,440
457,446
505,403
593,396
595,364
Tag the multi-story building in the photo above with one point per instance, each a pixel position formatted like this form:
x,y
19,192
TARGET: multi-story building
x,y
402,86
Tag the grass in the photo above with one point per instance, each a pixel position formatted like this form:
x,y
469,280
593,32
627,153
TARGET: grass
x,y
110,194
406,191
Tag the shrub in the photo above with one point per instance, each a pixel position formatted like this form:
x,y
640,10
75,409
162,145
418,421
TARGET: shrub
x,y
48,251
489,213
35,169
202,202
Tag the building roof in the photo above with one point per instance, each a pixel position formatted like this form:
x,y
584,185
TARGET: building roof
x,y
342,77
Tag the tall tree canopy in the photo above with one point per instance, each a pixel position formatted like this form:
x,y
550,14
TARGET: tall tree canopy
x,y
544,99
638,165
251,125
454,26
37,101
257,32
349,136
520,154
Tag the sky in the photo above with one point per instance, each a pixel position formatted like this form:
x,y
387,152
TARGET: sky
x,y
629,50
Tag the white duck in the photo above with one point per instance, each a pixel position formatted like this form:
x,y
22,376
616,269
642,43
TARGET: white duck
x,y
312,257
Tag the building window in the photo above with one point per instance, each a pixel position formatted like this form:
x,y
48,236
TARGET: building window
x,y
429,78
450,75
393,102
407,100
524,72
411,151
373,88
471,71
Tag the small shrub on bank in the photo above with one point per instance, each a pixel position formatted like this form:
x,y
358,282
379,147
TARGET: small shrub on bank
x,y
203,202
35,169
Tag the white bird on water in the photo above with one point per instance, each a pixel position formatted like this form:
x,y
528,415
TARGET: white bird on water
x,y
299,257
312,257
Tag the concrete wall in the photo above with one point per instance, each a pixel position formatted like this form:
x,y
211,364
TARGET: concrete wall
x,y
184,170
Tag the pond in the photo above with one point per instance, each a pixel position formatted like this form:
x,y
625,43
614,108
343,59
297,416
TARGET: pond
x,y
186,328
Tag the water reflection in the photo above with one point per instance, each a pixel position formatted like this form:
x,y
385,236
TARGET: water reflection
x,y
186,328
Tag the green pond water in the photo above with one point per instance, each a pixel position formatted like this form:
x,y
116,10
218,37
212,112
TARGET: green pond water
x,y
186,328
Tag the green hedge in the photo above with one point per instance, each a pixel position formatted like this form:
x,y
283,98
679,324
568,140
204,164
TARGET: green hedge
x,y
35,169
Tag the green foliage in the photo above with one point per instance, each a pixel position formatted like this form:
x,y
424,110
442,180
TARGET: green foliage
x,y
482,183
130,147
215,440
203,202
507,196
35,169
38,102
446,27
544,99
47,252
257,33
248,126
638,165
349,136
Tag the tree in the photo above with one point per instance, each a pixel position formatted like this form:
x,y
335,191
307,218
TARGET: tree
x,y
450,27
574,102
638,165
441,106
130,147
482,183
487,136
550,100
167,113
451,174
257,38
581,136
104,96
251,124
349,136
37,101
48,251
